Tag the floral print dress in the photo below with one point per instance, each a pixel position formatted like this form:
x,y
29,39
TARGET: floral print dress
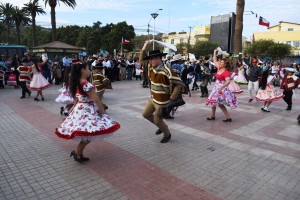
x,y
226,97
84,121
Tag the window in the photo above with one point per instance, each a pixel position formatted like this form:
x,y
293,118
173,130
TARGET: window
x,y
296,43
172,41
290,29
181,41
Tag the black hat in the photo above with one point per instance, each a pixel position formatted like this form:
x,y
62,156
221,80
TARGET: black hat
x,y
155,53
98,65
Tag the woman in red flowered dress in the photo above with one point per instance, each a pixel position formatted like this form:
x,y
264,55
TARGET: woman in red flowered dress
x,y
88,119
221,95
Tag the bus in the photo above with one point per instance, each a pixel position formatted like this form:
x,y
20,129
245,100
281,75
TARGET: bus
x,y
11,49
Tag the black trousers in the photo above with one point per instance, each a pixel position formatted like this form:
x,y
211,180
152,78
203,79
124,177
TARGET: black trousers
x,y
288,97
24,88
204,90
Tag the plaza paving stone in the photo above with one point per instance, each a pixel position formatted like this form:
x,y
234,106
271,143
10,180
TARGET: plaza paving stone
x,y
257,156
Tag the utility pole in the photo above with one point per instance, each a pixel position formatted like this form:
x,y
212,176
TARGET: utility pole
x,y
188,49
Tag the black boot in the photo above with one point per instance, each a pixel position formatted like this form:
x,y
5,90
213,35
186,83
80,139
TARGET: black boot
x,y
289,108
61,110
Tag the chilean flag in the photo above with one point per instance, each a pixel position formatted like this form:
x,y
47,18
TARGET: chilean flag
x,y
126,42
263,22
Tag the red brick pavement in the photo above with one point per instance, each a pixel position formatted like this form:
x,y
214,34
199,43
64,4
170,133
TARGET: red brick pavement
x,y
196,119
135,177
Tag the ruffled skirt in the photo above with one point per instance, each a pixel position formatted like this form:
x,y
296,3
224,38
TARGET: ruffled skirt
x,y
85,123
234,88
240,79
226,98
64,96
269,94
39,82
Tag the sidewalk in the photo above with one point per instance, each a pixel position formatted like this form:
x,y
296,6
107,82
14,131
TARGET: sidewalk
x,y
257,156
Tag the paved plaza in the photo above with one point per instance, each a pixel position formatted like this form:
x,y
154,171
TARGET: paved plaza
x,y
257,156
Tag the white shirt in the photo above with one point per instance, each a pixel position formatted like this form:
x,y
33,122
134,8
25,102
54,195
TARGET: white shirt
x,y
106,64
275,69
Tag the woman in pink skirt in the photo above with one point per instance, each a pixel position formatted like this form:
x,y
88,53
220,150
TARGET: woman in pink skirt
x,y
233,86
267,92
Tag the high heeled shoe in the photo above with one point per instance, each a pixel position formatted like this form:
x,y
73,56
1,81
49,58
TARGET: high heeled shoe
x,y
211,118
83,158
227,120
76,158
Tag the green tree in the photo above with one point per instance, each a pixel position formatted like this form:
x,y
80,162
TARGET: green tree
x,y
112,39
6,11
204,48
53,4
259,48
68,34
268,48
33,9
279,50
19,17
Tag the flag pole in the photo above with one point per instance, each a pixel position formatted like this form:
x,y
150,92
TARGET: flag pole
x,y
122,47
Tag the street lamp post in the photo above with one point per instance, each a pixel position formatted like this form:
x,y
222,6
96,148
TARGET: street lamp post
x,y
154,15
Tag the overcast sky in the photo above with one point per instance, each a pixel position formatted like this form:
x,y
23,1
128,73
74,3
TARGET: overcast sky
x,y
176,15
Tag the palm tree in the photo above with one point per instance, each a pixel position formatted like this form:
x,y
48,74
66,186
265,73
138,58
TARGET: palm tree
x,y
6,11
52,4
240,5
19,17
33,9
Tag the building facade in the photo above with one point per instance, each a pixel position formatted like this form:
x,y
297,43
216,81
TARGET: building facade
x,y
198,33
284,32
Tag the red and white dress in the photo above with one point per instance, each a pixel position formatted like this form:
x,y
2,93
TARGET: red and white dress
x,y
84,121
226,97
38,81
64,96
270,93
233,86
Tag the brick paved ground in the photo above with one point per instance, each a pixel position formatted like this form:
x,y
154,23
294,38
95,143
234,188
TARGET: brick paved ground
x,y
257,156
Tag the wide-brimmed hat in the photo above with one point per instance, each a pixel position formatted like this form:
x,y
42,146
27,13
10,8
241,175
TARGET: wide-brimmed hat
x,y
290,69
155,53
176,57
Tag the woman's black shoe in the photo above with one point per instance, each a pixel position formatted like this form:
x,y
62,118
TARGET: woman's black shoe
x,y
43,99
22,97
211,118
75,156
166,139
61,110
227,120
36,99
83,158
